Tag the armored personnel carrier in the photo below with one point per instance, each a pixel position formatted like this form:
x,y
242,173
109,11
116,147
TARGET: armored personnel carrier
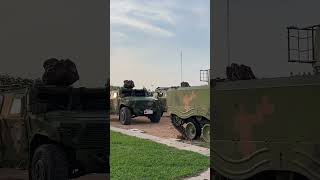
x,y
268,128
130,103
189,109
54,132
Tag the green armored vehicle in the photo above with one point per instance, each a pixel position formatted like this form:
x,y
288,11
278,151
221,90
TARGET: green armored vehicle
x,y
189,108
268,128
161,94
55,132
130,103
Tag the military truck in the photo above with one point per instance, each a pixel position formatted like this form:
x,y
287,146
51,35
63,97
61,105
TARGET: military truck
x,y
130,103
268,128
189,109
55,132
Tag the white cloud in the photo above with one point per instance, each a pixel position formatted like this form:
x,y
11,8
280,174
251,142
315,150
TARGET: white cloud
x,y
140,16
145,27
153,61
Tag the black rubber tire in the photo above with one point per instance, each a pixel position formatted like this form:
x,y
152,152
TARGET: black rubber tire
x,y
155,118
197,126
125,116
50,161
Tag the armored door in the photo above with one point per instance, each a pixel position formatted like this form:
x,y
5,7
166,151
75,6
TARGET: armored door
x,y
13,123
114,101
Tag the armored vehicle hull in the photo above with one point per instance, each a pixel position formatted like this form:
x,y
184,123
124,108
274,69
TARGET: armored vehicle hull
x,y
189,108
130,103
60,132
266,128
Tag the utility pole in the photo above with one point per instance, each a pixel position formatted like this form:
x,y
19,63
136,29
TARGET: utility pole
x,y
181,65
228,32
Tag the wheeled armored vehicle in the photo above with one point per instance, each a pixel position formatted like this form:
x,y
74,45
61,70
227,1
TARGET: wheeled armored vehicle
x,y
54,132
130,103
189,109
269,128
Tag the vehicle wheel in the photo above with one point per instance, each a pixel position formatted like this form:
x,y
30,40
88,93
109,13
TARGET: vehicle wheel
x,y
205,132
155,118
49,162
125,116
192,129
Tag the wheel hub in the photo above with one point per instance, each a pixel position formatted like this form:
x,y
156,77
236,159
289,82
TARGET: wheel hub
x,y
206,132
191,131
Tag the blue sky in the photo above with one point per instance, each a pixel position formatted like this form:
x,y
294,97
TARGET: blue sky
x,y
148,35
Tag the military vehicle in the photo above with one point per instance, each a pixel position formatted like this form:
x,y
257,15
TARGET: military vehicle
x,y
55,132
268,128
52,129
161,94
130,103
189,109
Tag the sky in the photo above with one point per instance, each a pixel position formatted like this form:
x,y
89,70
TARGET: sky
x,y
147,36
258,35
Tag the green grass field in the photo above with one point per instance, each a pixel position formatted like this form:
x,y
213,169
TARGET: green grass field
x,y
133,158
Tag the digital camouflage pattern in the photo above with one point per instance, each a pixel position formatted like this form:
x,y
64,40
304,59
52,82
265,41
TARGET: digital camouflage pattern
x,y
72,122
190,105
266,125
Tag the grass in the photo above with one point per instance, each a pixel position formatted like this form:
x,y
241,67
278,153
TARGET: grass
x,y
134,158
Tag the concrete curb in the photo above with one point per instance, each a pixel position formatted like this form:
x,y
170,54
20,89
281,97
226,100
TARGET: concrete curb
x,y
168,142
203,176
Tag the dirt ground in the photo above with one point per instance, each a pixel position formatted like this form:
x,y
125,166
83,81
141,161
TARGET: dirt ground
x,y
163,129
13,174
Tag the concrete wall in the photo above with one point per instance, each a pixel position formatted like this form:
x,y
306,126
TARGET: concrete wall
x,y
258,35
34,30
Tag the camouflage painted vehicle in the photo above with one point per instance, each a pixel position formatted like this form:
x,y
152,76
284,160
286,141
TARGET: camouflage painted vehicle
x,y
266,125
161,94
130,103
54,132
189,108
267,128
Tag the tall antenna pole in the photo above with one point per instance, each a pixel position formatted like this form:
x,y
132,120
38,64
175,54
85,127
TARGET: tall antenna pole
x,y
228,32
181,64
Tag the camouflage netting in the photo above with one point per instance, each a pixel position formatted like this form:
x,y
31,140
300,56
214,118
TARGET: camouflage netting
x,y
239,72
185,84
59,72
129,84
